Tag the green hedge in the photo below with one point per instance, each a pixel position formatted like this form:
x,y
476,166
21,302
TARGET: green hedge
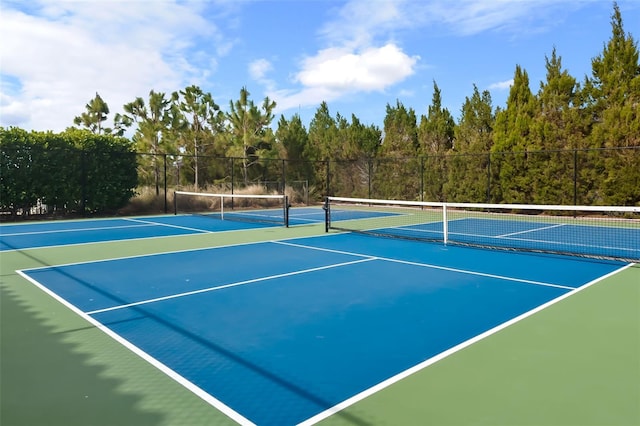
x,y
65,173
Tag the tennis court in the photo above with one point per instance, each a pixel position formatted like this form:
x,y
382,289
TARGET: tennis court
x,y
86,231
272,325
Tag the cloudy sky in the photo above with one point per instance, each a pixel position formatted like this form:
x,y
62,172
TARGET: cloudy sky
x,y
357,55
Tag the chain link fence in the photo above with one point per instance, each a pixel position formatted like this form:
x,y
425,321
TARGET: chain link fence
x,y
566,177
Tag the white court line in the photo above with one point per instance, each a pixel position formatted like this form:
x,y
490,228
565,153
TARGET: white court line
x,y
318,212
201,232
230,412
427,265
404,374
168,225
571,244
195,389
528,240
99,228
135,256
416,226
304,219
221,287
531,230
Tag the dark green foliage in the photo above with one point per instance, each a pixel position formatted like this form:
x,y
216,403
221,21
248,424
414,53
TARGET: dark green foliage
x,y
613,92
20,152
512,134
398,162
435,136
71,172
293,137
469,163
554,132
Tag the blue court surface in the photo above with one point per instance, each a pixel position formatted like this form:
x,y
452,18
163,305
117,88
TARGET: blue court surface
x,y
49,234
279,332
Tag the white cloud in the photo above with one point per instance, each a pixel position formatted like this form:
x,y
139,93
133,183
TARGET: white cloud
x,y
363,56
501,85
258,71
14,112
337,72
404,93
471,17
308,96
259,68
372,69
57,54
62,53
366,20
360,22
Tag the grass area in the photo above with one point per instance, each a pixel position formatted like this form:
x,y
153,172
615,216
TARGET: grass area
x,y
574,363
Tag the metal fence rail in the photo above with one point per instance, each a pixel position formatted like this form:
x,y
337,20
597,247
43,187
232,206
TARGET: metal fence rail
x,y
608,176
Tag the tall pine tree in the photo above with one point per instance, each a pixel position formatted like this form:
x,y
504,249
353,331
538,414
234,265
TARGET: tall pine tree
x,y
512,137
556,129
614,94
468,175
293,137
435,136
396,173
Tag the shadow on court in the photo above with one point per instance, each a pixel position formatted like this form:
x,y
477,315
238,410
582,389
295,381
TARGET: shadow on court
x,y
72,387
47,381
57,369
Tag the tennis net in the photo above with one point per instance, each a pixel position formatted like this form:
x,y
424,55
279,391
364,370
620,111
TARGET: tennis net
x,y
588,231
241,207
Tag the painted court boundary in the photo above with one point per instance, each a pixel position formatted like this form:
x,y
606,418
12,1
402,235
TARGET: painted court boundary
x,y
196,390
427,265
382,385
325,414
195,230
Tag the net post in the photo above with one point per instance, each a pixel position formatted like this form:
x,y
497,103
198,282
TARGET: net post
x,y
175,203
222,207
327,215
286,211
445,227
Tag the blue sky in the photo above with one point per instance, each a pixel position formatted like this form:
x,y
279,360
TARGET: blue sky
x,y
357,55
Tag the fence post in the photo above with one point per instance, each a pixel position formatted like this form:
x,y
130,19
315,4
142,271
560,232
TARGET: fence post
x,y
284,177
575,177
328,188
232,169
488,177
83,181
164,158
369,173
421,178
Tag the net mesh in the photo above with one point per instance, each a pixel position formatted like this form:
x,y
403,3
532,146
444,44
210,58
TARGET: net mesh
x,y
265,208
588,231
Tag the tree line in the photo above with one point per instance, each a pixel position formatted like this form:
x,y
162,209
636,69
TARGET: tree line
x,y
533,150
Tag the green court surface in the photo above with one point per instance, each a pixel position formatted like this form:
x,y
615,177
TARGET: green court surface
x,y
576,362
